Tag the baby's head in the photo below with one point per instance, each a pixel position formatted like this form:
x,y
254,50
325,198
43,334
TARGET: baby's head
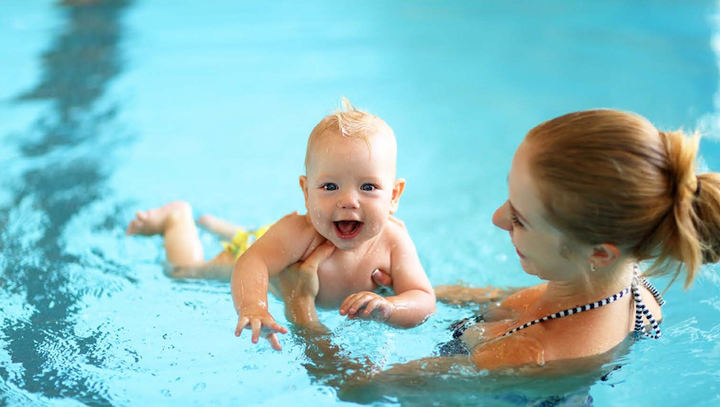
x,y
350,187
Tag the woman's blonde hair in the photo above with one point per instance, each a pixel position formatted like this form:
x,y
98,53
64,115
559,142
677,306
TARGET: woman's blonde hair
x,y
608,176
349,122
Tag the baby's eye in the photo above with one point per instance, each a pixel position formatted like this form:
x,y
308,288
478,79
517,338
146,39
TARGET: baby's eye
x,y
368,187
329,186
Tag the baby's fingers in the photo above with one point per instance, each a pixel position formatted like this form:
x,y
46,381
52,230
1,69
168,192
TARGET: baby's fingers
x,y
274,342
242,323
256,326
346,303
274,326
358,303
372,305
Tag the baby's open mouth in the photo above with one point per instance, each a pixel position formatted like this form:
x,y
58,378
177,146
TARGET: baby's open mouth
x,y
347,229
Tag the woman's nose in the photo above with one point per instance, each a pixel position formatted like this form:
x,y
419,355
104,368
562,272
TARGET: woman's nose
x,y
501,217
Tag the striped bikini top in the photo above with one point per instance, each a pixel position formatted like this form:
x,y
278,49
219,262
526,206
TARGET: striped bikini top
x,y
641,311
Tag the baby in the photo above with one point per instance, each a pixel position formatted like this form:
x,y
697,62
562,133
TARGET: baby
x,y
350,194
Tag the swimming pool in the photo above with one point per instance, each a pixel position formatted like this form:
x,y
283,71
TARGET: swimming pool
x,y
119,106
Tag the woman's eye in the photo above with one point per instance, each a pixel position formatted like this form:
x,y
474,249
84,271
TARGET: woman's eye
x,y
516,220
329,186
368,187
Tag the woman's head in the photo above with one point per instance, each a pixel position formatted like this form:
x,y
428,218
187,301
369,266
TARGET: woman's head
x,y
607,176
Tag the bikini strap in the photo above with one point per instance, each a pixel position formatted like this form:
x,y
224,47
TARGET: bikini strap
x,y
571,311
642,311
654,291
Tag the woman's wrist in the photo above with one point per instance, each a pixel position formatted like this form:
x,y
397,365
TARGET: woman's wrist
x,y
300,309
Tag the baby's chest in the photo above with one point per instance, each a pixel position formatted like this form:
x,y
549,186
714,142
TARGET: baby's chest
x,y
341,277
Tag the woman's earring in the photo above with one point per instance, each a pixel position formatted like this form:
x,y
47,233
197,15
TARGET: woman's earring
x,y
593,267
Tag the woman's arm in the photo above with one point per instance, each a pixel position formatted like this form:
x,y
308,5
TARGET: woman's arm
x,y
462,294
299,286
328,364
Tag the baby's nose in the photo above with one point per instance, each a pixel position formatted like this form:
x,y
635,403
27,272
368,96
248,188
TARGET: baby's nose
x,y
348,200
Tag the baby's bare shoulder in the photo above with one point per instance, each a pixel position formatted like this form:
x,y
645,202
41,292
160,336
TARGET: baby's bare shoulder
x,y
398,223
292,230
396,234
294,221
301,232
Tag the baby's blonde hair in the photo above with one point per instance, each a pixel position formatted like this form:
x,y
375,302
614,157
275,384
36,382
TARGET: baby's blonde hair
x,y
608,176
349,122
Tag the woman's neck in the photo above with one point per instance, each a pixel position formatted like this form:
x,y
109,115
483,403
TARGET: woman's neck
x,y
590,286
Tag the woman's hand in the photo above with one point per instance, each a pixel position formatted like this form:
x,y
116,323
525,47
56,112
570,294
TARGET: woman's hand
x,y
381,278
299,286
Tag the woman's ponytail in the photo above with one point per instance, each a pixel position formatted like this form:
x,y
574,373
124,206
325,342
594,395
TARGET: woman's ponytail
x,y
707,211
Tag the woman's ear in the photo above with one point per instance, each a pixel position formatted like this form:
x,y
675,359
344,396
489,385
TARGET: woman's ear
x,y
398,188
304,187
604,255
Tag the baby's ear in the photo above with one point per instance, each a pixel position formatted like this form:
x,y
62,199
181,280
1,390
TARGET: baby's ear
x,y
398,188
303,186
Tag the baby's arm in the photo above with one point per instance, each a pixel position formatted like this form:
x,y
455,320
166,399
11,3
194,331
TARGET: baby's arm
x,y
283,244
414,301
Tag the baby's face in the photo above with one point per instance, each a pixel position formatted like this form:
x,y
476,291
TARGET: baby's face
x,y
350,190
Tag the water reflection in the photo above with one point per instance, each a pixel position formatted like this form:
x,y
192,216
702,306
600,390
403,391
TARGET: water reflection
x,y
67,149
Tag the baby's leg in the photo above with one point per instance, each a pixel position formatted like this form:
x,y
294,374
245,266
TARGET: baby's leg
x,y
219,268
218,226
175,222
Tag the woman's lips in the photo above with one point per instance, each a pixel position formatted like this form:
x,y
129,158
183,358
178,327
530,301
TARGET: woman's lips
x,y
519,254
347,229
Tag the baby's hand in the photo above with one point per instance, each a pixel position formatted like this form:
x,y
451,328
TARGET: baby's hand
x,y
261,323
367,305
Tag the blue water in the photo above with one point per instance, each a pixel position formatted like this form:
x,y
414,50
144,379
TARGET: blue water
x,y
110,108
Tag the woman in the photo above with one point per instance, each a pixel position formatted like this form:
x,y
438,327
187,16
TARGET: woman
x,y
591,195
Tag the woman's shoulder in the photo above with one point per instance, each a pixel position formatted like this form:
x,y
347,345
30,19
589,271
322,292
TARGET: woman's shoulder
x,y
510,352
520,300
576,337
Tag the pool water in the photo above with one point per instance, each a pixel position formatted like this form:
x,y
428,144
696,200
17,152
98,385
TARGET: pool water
x,y
109,107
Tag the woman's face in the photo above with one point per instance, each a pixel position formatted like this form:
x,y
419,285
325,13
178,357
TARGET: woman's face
x,y
544,251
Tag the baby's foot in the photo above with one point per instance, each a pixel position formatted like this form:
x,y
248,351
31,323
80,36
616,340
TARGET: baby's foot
x,y
155,221
219,226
